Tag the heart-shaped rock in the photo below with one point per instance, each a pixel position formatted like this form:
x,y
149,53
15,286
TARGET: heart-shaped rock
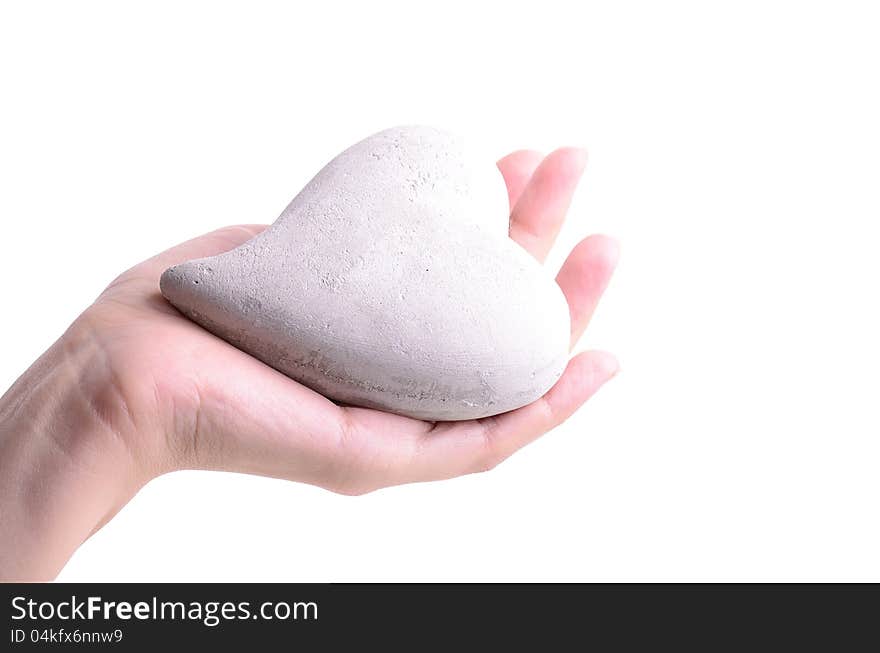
x,y
389,282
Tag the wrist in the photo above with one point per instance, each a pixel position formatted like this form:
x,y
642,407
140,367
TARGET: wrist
x,y
64,469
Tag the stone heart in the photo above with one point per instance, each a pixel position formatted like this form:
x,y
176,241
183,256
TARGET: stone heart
x,y
389,282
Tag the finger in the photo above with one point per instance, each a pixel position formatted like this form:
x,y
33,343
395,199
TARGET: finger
x,y
540,210
584,277
517,168
456,448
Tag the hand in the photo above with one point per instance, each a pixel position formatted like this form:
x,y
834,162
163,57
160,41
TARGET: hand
x,y
134,389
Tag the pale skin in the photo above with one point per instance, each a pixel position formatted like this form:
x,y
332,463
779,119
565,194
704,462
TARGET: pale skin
x,y
133,390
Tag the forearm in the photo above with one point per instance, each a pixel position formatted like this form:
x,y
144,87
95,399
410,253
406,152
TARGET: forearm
x,y
63,471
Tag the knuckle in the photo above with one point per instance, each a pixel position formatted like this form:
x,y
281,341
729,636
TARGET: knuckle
x,y
352,490
485,463
489,454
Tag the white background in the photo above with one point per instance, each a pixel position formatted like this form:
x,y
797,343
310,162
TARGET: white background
x,y
734,150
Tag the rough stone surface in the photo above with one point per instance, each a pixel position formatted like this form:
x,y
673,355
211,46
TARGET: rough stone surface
x,y
389,282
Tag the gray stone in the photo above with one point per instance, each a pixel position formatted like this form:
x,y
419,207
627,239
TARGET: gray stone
x,y
389,282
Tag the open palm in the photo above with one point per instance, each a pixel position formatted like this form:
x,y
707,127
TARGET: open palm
x,y
183,398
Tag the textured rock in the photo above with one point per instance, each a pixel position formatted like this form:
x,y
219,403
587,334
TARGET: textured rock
x,y
390,282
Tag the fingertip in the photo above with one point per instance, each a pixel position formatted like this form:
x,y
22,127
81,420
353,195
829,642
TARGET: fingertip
x,y
570,160
605,365
607,246
519,158
585,374
599,250
584,276
517,169
591,369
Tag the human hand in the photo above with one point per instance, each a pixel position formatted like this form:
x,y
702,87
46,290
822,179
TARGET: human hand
x,y
134,389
